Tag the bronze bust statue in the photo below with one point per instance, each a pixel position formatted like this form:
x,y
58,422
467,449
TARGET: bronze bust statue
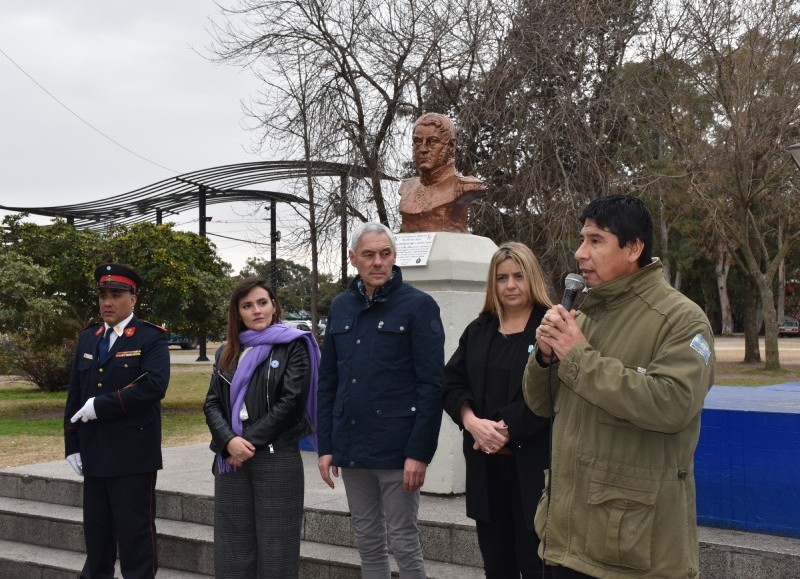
x,y
437,200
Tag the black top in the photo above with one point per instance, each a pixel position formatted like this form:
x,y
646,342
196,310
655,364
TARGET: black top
x,y
498,373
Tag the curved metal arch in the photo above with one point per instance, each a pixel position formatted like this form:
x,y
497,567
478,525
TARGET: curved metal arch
x,y
215,185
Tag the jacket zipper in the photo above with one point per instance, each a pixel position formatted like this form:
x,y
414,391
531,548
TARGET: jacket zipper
x,y
269,371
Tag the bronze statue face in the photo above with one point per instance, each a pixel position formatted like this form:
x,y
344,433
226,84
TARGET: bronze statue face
x,y
431,148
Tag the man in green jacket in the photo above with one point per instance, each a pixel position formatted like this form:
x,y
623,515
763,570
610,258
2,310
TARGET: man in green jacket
x,y
625,378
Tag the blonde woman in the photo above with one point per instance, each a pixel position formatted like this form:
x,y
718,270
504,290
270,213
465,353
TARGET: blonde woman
x,y
505,444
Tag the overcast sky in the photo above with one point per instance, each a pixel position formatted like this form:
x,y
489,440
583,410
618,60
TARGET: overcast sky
x,y
131,70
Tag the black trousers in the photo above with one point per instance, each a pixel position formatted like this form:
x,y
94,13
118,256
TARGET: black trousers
x,y
119,513
508,547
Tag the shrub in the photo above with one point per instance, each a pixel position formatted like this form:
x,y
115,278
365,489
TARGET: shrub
x,y
47,368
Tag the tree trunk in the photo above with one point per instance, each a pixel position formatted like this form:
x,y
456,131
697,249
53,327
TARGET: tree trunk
x,y
664,228
380,203
752,354
343,230
722,269
781,278
773,360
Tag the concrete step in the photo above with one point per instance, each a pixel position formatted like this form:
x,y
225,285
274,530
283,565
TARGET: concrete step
x,y
182,545
185,498
26,561
53,529
193,508
448,542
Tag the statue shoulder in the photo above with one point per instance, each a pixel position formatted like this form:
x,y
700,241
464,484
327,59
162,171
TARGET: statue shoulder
x,y
468,179
409,185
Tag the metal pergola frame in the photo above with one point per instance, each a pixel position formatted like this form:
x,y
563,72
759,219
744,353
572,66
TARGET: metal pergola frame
x,y
197,190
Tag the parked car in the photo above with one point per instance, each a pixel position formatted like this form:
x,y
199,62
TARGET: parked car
x,y
304,325
789,327
185,342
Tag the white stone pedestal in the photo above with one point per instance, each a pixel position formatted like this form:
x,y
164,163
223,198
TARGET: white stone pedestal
x,y
455,277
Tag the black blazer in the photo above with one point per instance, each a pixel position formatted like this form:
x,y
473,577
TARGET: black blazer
x,y
465,381
276,401
126,436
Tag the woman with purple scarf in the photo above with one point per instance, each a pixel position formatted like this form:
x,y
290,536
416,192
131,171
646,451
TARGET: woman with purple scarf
x,y
259,405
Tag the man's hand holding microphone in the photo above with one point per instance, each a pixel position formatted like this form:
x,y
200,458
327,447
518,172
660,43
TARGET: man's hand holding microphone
x,y
559,333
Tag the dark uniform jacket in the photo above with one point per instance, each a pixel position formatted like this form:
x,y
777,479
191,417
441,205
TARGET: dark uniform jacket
x,y
276,401
380,377
126,436
465,381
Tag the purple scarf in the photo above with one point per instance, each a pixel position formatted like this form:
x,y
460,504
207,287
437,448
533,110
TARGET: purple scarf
x,y
262,342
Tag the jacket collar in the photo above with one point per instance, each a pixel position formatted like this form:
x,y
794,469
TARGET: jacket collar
x,y
620,290
382,293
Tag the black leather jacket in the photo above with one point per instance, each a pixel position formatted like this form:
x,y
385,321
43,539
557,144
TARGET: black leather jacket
x,y
277,412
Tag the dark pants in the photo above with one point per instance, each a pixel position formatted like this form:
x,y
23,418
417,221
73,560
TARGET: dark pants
x,y
120,513
564,573
508,547
258,516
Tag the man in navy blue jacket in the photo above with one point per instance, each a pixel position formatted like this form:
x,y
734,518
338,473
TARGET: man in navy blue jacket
x,y
112,428
379,409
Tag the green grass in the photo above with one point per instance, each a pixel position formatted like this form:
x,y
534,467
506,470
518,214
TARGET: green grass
x,y
29,393
43,427
31,421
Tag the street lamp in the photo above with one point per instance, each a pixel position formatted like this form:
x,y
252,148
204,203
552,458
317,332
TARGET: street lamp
x,y
794,150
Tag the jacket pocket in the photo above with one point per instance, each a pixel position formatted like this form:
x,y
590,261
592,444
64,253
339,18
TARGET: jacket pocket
x,y
392,339
620,525
339,331
391,423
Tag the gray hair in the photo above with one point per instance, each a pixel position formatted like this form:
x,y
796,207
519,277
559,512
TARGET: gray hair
x,y
359,232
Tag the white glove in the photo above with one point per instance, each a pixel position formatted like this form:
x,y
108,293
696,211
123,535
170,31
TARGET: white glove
x,y
76,463
86,413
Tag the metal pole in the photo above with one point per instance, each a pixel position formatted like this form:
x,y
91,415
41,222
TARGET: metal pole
x,y
273,245
201,340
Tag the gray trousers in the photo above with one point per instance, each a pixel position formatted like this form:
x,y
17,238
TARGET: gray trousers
x,y
380,507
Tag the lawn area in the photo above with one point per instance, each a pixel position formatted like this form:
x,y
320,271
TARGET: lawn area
x,y
31,421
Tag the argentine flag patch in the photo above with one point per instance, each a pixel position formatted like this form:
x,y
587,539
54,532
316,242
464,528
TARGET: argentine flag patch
x,y
700,346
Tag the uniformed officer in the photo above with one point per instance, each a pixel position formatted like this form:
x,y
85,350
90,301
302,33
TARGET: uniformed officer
x,y
112,428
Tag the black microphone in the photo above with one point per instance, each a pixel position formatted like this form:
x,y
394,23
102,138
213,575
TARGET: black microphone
x,y
572,285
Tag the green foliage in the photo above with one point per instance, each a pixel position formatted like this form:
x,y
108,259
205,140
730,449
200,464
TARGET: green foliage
x,y
185,283
45,365
38,327
49,294
67,256
293,284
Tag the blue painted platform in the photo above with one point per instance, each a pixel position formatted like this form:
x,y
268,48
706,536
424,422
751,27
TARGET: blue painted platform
x,y
747,463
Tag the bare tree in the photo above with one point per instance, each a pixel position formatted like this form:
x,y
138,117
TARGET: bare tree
x,y
745,56
366,58
541,123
